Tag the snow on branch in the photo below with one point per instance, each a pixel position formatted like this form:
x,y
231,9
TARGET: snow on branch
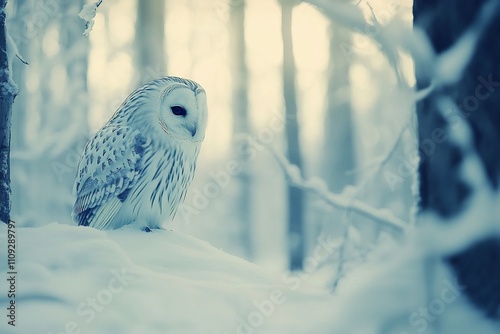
x,y
390,38
88,14
452,63
317,187
444,69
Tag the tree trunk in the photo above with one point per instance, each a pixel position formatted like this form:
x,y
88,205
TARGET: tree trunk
x,y
241,122
19,112
77,49
477,95
8,92
339,131
295,195
150,40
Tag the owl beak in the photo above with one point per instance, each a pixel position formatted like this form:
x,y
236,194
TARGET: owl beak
x,y
193,132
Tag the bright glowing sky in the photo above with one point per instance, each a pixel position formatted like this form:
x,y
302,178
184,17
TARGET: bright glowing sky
x,y
197,47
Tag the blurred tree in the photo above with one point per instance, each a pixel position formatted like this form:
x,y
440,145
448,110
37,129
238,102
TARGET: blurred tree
x,y
477,95
76,52
56,112
74,125
295,195
150,40
241,122
339,130
8,92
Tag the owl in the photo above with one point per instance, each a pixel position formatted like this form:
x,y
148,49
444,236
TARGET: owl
x,y
138,166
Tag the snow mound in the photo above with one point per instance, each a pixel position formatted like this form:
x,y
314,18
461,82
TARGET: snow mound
x,y
80,280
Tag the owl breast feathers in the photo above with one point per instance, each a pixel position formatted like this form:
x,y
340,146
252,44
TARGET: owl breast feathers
x,y
138,166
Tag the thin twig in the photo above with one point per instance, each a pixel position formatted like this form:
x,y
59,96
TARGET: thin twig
x,y
22,59
340,264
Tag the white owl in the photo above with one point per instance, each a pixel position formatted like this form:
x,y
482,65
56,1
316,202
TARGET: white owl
x,y
137,168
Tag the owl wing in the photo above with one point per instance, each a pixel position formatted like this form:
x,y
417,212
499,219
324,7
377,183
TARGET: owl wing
x,y
111,165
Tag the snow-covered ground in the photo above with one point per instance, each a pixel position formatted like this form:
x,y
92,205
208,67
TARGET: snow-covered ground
x,y
127,281
80,280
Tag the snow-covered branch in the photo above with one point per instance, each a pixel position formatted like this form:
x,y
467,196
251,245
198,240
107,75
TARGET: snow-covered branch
x,y
317,187
390,38
443,69
88,14
451,64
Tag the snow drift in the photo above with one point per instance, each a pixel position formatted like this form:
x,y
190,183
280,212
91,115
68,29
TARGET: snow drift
x,y
81,280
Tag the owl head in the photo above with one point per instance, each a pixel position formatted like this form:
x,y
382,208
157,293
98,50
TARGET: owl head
x,y
182,112
173,108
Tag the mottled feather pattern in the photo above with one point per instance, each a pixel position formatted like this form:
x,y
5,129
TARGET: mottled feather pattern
x,y
132,170
113,164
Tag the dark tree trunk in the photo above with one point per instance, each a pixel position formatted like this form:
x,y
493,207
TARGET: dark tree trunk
x,y
19,110
339,131
477,95
241,122
7,94
295,195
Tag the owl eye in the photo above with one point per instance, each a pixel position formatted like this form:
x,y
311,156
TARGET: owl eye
x,y
178,111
